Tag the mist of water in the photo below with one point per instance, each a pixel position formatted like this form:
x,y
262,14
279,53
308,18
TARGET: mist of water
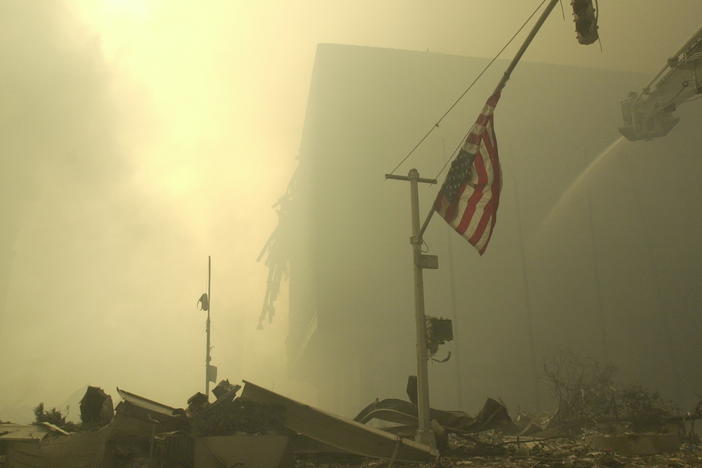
x,y
597,164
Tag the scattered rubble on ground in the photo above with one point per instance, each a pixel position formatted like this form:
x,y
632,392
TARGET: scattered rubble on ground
x,y
596,424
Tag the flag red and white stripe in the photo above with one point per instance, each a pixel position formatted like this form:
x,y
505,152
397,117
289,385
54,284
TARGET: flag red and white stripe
x,y
470,195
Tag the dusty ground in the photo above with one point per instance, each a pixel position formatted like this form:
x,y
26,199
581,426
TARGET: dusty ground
x,y
555,453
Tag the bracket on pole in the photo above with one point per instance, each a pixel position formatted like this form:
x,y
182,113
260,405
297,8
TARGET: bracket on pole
x,y
427,262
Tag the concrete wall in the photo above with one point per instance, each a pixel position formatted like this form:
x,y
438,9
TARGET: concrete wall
x,y
350,228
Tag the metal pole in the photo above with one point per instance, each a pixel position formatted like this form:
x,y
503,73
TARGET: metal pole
x,y
425,434
525,45
207,351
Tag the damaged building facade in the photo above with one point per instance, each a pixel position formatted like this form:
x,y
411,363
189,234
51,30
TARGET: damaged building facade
x,y
596,258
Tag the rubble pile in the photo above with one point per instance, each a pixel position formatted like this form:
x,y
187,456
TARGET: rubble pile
x,y
238,416
596,424
486,451
626,450
142,433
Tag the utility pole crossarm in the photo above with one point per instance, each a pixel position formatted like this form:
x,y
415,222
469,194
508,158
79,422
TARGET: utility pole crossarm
x,y
406,178
422,180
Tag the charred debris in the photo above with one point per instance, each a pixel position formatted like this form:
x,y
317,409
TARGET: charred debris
x,y
597,422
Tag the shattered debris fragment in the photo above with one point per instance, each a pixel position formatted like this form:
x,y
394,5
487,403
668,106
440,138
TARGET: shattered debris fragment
x,y
196,404
341,433
96,407
493,415
225,390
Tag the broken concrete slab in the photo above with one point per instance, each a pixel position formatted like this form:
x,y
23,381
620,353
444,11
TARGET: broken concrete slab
x,y
77,450
341,433
27,432
129,436
151,412
261,451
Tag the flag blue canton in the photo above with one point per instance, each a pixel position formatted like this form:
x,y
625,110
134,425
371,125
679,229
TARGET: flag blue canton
x,y
457,176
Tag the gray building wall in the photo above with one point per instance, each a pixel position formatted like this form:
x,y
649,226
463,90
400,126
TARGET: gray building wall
x,y
602,276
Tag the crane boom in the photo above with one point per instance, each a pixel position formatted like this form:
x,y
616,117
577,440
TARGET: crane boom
x,y
649,113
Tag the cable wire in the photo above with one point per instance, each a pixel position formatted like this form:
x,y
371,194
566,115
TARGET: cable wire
x,y
460,142
482,72
448,160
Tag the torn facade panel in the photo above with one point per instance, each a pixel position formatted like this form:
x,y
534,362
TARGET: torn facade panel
x,y
151,412
341,433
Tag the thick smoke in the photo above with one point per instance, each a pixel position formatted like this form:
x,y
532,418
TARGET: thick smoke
x,y
81,241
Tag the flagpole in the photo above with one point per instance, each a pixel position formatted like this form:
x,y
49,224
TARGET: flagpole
x,y
525,45
505,77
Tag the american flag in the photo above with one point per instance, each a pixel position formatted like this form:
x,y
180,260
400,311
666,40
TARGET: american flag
x,y
469,197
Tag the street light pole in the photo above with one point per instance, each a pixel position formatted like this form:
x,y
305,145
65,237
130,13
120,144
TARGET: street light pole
x,y
424,431
208,357
425,434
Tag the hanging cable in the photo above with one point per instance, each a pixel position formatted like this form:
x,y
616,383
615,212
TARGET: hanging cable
x,y
452,153
448,160
482,72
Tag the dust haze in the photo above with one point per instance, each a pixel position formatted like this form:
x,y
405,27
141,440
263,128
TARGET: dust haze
x,y
139,137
